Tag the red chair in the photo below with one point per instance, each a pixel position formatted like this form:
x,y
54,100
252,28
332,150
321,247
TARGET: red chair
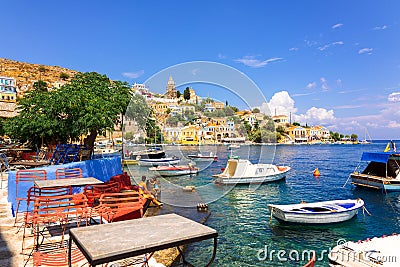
x,y
121,206
64,173
93,192
33,193
311,262
25,179
57,257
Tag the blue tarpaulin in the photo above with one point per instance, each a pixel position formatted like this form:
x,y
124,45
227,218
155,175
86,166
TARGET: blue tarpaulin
x,y
102,169
382,157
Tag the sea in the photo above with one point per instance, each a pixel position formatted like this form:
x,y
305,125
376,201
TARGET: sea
x,y
248,236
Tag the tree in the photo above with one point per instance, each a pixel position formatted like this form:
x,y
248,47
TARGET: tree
x,y
354,137
40,86
256,110
186,94
235,109
64,76
42,69
296,124
178,94
90,104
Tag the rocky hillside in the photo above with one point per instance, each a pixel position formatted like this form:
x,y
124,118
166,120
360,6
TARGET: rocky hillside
x,y
26,74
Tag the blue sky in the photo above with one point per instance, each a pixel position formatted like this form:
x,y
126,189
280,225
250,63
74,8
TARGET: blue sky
x,y
335,63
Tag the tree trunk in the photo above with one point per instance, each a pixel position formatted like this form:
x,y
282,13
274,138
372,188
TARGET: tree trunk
x,y
89,140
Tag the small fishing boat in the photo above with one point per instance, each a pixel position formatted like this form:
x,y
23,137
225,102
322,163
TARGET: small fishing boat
x,y
158,162
233,146
382,171
200,157
318,212
175,170
242,171
374,252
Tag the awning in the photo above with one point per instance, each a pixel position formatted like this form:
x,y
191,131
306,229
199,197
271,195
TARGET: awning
x,y
376,156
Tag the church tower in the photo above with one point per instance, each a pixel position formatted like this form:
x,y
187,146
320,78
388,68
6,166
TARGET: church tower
x,y
171,90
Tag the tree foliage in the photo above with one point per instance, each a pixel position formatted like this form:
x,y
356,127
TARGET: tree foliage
x,y
186,94
40,86
90,104
64,76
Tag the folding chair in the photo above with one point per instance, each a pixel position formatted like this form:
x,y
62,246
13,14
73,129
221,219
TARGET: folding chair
x,y
33,193
64,173
121,206
24,179
56,212
93,192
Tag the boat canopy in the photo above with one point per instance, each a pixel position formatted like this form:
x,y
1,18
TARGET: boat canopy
x,y
382,157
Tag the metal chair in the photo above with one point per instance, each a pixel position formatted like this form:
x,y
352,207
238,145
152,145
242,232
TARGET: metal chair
x,y
121,206
64,173
24,179
33,193
93,192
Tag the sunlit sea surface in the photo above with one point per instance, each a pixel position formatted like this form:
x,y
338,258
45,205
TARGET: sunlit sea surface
x,y
247,235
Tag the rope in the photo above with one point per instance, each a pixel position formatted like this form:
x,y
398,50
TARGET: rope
x,y
348,178
365,209
270,216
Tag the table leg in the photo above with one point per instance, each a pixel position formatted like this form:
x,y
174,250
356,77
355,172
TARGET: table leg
x,y
185,263
69,251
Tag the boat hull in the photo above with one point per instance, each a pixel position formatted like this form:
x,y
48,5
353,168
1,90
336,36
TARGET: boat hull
x,y
375,182
317,213
157,162
176,173
203,158
249,180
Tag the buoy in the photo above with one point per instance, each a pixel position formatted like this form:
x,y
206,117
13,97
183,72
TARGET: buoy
x,y
316,172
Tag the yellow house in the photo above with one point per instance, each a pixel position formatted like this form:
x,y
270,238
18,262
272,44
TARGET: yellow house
x,y
297,133
189,135
218,105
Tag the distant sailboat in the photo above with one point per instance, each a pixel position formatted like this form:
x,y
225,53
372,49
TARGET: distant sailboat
x,y
366,141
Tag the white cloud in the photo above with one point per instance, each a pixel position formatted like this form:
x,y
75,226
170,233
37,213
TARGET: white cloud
x,y
221,56
251,61
394,97
379,28
338,25
311,85
339,83
365,50
322,48
324,84
281,104
394,124
133,75
315,116
293,49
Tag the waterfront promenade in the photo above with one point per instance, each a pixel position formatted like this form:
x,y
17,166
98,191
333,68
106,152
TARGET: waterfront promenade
x,y
10,240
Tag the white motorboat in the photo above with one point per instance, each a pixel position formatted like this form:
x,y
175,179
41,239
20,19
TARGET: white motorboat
x,y
158,162
242,171
318,212
175,170
201,157
374,252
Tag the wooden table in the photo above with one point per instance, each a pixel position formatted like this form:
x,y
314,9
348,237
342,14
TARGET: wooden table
x,y
115,241
74,182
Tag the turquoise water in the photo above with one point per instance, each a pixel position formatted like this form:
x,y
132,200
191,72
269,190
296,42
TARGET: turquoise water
x,y
241,217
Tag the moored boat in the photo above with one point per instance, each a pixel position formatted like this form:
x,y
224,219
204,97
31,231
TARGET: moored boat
x,y
382,171
201,157
242,171
175,170
317,212
158,162
378,251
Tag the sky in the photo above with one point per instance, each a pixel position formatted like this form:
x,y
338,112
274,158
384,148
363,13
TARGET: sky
x,y
331,63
